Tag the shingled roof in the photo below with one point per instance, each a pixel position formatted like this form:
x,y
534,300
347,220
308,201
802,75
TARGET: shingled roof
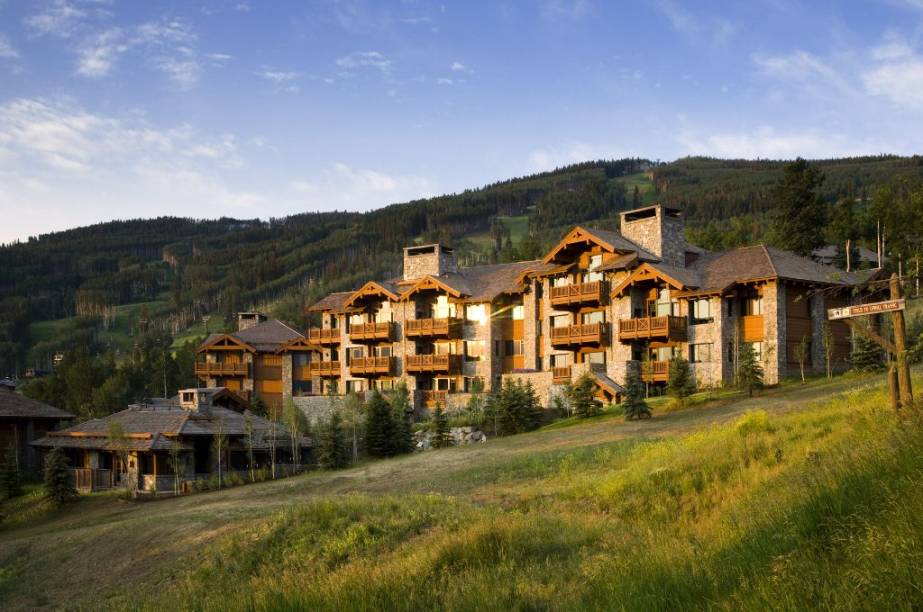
x,y
267,336
155,426
718,271
485,283
334,302
16,406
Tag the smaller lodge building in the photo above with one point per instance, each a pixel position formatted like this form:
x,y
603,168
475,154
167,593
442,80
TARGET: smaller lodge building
x,y
135,448
23,420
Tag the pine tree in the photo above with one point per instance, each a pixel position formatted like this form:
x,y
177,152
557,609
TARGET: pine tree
x,y
749,370
441,437
10,482
582,397
58,485
331,444
680,382
866,355
402,417
800,210
379,427
634,405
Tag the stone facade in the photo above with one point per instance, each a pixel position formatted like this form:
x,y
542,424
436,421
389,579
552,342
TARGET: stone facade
x,y
658,230
429,260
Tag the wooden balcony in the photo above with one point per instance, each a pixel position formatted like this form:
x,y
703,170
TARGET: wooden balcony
x,y
432,328
655,371
371,366
87,480
207,369
324,368
594,292
559,376
435,364
371,332
431,399
323,335
591,333
667,328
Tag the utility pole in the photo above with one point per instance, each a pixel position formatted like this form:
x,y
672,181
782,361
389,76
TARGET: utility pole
x,y
900,345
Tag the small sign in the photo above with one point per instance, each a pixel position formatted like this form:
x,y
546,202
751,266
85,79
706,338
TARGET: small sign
x,y
865,309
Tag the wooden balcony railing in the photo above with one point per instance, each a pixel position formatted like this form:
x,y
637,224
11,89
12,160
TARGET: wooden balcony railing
x,y
560,375
590,333
323,335
371,366
207,368
87,480
442,328
324,368
431,399
441,364
668,328
655,371
366,332
580,293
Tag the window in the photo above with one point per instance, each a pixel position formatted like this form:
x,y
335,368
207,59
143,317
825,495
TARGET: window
x,y
511,348
356,352
595,260
730,305
474,350
731,352
560,360
355,386
334,323
496,348
334,355
596,358
757,350
518,312
560,320
753,305
356,319
472,383
302,387
701,311
597,316
384,384
445,348
476,313
663,353
446,384
383,350
560,281
443,308
700,353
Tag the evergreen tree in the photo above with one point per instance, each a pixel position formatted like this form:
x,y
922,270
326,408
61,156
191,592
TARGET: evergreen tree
x,y
634,405
331,444
440,429
749,370
402,416
10,481
58,485
517,408
866,355
680,382
379,427
800,210
582,396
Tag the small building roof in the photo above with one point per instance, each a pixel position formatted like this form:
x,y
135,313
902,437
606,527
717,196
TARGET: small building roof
x,y
334,302
264,337
17,406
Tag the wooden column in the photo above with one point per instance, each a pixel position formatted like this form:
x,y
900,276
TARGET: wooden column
x,y
900,345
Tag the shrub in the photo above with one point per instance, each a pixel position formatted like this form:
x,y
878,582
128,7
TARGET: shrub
x,y
582,396
58,485
680,382
10,481
634,405
440,425
331,444
749,370
380,428
514,408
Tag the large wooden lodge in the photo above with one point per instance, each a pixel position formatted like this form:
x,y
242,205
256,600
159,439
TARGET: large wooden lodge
x,y
598,302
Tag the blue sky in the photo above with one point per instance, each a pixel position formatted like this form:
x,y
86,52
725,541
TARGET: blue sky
x,y
117,109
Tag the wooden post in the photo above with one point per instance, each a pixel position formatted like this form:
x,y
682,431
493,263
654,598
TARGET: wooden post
x,y
900,345
892,387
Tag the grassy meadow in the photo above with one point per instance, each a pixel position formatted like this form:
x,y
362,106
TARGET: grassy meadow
x,y
805,497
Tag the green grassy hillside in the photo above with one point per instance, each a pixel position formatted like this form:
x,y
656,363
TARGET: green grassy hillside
x,y
807,497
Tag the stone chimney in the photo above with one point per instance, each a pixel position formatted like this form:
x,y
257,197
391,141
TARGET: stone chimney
x,y
659,230
194,400
246,320
429,259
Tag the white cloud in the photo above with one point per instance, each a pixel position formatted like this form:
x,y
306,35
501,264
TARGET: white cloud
x,y
99,54
73,167
7,51
219,57
766,142
802,66
897,74
710,29
341,186
278,76
242,7
58,18
459,67
445,81
365,59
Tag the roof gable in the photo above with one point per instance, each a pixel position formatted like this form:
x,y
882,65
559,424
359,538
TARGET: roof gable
x,y
676,278
427,283
225,342
371,289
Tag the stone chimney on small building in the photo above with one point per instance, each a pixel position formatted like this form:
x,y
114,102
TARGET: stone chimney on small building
x,y
194,400
657,229
246,320
429,260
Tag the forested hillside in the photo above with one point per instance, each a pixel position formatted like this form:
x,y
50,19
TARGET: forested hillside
x,y
68,289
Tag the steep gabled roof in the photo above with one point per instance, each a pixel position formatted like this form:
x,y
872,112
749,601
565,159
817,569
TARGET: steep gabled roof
x,y
268,335
375,289
217,340
611,241
334,302
678,278
16,406
453,284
